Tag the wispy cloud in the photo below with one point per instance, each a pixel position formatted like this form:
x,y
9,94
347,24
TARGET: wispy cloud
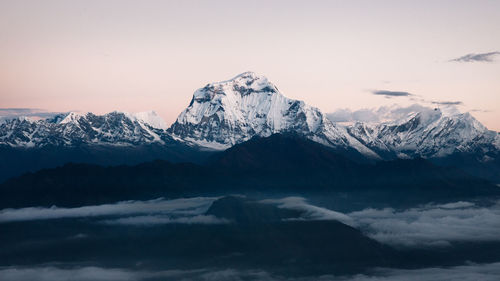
x,y
387,93
9,113
447,102
309,211
480,110
482,57
168,211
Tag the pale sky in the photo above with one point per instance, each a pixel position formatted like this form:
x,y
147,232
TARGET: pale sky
x,y
135,56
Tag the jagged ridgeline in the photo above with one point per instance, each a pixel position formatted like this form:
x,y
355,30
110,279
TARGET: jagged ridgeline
x,y
226,113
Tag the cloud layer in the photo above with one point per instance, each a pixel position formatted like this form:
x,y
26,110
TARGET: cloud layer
x,y
429,225
487,272
10,113
185,210
90,273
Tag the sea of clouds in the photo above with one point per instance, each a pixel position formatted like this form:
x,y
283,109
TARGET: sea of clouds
x,y
470,272
426,225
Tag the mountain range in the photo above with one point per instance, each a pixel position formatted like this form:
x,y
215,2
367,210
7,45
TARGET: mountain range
x,y
223,114
246,178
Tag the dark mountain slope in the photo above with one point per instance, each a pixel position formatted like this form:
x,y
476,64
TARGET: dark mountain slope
x,y
17,161
282,153
280,163
82,184
287,161
243,210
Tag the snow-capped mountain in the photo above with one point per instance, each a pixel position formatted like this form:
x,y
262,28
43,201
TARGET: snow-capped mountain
x,y
226,113
229,112
408,132
69,129
150,118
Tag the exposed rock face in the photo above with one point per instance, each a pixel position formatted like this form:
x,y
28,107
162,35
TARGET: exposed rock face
x,y
428,133
226,113
71,129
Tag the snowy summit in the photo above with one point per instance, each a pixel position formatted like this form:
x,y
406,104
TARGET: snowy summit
x,y
225,113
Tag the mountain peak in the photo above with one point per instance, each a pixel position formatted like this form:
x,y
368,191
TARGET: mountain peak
x,y
418,131
225,113
228,112
242,84
393,114
151,118
246,75
69,117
